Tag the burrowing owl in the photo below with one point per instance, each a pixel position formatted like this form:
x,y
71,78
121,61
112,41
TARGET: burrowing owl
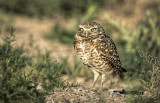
x,y
97,51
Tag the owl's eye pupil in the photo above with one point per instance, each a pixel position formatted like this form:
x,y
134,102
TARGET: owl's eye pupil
x,y
93,29
81,29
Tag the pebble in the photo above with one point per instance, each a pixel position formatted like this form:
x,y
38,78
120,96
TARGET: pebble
x,y
80,89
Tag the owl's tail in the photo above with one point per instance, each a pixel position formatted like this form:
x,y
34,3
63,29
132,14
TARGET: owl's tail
x,y
120,73
124,70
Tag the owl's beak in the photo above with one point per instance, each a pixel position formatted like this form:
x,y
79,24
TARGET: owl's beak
x,y
86,34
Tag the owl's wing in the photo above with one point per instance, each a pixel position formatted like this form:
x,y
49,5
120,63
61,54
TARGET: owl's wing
x,y
109,52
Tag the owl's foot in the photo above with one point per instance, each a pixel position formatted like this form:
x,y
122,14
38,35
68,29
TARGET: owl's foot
x,y
96,75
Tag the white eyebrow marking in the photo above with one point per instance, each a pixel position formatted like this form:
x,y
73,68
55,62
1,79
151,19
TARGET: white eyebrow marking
x,y
81,26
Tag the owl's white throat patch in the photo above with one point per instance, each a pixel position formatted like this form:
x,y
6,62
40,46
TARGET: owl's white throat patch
x,y
85,55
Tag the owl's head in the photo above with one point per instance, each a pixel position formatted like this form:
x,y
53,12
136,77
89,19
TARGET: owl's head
x,y
90,30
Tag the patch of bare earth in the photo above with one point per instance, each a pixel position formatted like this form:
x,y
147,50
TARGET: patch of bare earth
x,y
83,95
30,27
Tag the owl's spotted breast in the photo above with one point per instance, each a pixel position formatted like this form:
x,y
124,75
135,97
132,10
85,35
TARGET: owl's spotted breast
x,y
82,48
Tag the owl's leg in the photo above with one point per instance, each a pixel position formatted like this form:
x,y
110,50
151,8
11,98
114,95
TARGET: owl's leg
x,y
102,81
96,75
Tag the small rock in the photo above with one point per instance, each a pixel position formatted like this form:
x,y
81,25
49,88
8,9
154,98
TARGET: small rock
x,y
39,87
80,89
146,93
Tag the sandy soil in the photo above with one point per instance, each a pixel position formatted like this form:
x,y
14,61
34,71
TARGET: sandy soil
x,y
27,27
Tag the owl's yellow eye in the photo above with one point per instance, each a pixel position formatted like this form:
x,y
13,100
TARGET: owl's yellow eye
x,y
94,29
81,29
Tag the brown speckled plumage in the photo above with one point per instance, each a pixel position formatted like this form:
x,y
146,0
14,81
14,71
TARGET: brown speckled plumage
x,y
97,51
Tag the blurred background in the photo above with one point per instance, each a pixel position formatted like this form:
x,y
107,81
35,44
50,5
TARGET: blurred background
x,y
134,26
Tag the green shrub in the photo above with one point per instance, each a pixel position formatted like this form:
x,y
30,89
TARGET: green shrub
x,y
24,77
50,7
148,34
149,90
153,83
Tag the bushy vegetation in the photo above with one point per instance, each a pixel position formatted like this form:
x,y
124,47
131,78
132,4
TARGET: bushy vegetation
x,y
47,7
149,90
52,7
24,77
